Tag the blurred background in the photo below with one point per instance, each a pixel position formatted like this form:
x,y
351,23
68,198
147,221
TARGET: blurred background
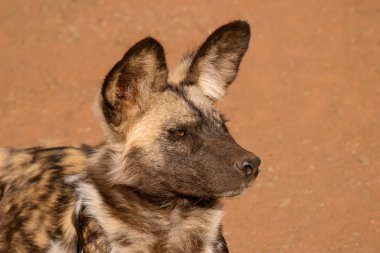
x,y
307,101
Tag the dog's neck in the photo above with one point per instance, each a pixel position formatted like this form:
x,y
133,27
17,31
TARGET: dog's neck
x,y
135,221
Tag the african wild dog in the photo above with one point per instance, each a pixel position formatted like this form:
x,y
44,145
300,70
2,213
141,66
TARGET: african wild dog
x,y
155,185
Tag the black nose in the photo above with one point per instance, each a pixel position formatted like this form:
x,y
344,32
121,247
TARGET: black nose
x,y
249,166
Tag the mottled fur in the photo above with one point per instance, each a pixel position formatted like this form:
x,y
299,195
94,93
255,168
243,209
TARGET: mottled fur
x,y
155,185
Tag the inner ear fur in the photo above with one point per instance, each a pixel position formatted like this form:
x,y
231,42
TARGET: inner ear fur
x,y
128,85
216,63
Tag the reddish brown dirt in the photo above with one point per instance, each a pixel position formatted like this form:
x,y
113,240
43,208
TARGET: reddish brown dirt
x,y
307,100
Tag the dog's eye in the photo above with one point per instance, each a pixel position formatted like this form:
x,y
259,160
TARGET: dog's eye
x,y
180,133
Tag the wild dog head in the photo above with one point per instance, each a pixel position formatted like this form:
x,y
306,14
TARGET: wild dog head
x,y
174,142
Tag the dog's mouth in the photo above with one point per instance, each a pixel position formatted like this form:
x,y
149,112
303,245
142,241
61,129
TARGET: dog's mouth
x,y
231,193
237,191
209,194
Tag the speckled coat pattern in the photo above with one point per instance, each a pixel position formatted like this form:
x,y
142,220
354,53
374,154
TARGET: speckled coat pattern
x,y
155,184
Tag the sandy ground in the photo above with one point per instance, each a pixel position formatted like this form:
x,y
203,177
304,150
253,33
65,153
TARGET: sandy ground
x,y
307,100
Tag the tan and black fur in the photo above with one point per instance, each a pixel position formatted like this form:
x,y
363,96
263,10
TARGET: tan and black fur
x,y
154,185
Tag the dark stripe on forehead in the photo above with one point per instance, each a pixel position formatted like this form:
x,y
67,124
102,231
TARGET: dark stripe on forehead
x,y
208,117
179,91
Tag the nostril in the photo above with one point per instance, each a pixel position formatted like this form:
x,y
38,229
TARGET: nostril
x,y
247,165
247,168
250,166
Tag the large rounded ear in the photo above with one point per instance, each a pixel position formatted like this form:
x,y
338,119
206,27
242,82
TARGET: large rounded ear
x,y
216,63
130,82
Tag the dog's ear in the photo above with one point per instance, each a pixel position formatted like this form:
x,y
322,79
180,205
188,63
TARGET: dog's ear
x,y
216,63
130,82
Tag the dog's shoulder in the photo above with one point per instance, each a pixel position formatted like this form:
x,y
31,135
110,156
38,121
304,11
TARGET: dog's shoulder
x,y
37,196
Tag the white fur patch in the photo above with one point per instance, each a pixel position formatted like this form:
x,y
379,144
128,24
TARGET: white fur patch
x,y
71,179
56,247
211,83
111,225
